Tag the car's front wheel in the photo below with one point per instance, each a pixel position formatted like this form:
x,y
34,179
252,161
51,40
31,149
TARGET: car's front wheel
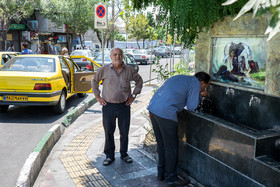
x,y
4,108
61,105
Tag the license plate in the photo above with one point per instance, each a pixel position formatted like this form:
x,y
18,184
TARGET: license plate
x,y
15,98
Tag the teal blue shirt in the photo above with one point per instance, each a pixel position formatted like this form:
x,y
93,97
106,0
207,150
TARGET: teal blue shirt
x,y
176,93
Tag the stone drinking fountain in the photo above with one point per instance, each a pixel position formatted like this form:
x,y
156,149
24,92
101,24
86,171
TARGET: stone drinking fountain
x,y
234,140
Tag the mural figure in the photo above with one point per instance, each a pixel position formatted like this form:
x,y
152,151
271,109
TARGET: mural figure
x,y
225,75
254,66
240,60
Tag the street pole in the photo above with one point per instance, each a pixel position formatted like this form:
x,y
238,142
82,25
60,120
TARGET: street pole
x,y
173,57
102,30
151,62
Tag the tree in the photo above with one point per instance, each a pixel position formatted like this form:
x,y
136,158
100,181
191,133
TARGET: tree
x,y
151,19
137,27
78,16
259,8
120,37
189,17
11,10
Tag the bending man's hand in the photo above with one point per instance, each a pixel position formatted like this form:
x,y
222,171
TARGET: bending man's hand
x,y
130,101
101,100
203,94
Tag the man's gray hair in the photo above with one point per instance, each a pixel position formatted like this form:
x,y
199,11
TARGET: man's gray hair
x,y
115,49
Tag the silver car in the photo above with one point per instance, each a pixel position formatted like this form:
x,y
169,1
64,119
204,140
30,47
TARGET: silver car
x,y
82,62
140,56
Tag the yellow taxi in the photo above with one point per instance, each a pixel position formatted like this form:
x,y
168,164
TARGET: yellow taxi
x,y
43,80
6,55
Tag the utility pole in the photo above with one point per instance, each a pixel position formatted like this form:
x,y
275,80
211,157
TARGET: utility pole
x,y
113,24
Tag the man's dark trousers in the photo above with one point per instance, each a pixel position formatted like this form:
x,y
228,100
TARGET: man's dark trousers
x,y
111,112
166,132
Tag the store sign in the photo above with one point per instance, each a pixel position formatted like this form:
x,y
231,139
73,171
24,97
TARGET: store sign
x,y
100,17
53,27
17,27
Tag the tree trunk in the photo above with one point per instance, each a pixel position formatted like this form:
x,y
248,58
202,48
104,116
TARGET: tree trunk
x,y
138,44
4,31
98,33
143,43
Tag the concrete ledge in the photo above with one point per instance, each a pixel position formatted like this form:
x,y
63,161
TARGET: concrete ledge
x,y
76,112
36,159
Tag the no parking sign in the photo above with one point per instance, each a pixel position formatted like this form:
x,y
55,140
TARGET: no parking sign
x,y
100,18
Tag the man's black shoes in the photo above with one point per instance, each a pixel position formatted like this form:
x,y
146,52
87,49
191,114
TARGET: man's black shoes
x,y
108,161
127,159
160,178
179,182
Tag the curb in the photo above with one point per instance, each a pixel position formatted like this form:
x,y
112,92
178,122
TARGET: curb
x,y
36,159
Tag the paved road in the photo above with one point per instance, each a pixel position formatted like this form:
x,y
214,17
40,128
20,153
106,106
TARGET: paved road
x,y
21,128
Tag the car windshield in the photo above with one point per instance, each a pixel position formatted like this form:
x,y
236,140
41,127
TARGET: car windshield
x,y
81,52
30,64
106,57
137,52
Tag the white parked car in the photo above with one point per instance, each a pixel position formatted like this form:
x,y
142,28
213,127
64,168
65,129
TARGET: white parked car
x,y
177,50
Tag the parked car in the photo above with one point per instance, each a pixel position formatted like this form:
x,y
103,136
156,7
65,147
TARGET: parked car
x,y
128,60
42,80
140,56
5,56
163,52
107,59
177,50
83,62
149,55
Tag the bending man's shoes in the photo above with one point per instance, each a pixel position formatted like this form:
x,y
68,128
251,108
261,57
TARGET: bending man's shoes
x,y
179,182
127,159
108,161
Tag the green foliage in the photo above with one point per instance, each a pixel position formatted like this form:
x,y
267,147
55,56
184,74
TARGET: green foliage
x,y
137,27
260,8
119,37
189,17
14,10
259,76
163,74
181,68
78,16
151,19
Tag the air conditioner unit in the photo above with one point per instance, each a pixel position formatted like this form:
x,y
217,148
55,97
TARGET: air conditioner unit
x,y
33,25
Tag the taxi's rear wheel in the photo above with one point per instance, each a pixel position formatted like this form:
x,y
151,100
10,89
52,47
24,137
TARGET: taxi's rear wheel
x,y
61,105
4,108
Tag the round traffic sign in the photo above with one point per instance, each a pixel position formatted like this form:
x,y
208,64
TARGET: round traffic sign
x,y
100,11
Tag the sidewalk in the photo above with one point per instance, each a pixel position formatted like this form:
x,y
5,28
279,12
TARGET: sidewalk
x,y
77,158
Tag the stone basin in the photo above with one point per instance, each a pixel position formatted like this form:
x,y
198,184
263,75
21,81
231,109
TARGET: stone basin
x,y
233,140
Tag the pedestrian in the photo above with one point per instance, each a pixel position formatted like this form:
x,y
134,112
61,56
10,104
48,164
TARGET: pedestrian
x,y
116,100
176,93
64,51
11,48
25,49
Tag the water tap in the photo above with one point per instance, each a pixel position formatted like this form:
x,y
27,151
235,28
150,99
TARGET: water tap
x,y
230,91
277,144
254,101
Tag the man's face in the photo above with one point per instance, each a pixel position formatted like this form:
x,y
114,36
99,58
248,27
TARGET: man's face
x,y
203,86
116,57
